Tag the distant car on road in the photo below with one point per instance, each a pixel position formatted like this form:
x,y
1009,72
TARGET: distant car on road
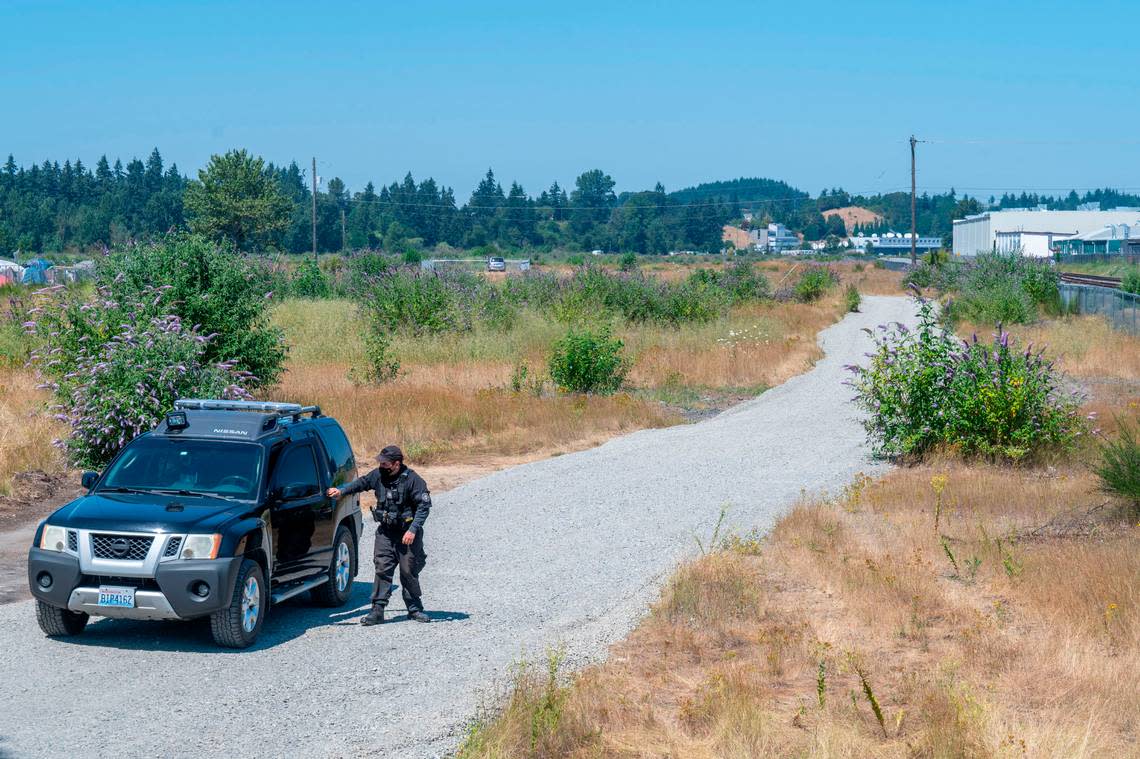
x,y
496,263
217,512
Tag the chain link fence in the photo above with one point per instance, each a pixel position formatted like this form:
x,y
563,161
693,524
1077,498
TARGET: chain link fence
x,y
1120,308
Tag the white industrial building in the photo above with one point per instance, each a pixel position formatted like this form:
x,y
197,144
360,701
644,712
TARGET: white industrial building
x,y
895,242
1033,232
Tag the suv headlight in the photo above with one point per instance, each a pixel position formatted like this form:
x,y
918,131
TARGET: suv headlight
x,y
201,546
53,538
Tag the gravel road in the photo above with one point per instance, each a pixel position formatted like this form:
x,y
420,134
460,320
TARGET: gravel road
x,y
569,550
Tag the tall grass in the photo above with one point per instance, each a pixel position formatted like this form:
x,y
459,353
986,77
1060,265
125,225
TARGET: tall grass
x,y
26,430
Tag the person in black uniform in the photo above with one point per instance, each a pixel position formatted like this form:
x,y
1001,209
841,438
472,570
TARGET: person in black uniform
x,y
402,506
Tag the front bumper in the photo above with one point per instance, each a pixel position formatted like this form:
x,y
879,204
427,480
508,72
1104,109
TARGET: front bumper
x,y
167,595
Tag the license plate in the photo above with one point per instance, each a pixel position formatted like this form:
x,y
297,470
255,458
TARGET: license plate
x,y
113,595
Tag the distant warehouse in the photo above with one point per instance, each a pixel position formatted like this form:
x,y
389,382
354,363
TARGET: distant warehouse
x,y
1033,232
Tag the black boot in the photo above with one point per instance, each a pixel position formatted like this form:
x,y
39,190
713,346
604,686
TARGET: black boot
x,y
418,616
375,617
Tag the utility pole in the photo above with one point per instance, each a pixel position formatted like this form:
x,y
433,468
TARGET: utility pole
x,y
315,209
913,222
343,237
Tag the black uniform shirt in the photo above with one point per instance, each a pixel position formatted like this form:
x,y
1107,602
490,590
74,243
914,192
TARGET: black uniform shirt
x,y
404,496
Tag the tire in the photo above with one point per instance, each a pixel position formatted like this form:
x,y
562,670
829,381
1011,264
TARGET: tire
x,y
237,625
342,569
57,622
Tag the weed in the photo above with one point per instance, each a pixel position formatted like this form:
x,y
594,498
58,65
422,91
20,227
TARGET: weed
x,y
749,544
714,539
938,484
821,683
851,298
861,672
972,565
949,555
1010,563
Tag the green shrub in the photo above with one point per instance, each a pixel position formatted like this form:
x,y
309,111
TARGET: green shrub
x,y
1003,301
1119,465
422,301
1130,282
924,388
308,281
412,256
745,283
628,261
498,312
588,361
1005,287
380,364
851,298
814,284
210,287
921,276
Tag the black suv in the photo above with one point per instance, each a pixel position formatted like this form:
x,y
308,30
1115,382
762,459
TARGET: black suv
x,y
218,511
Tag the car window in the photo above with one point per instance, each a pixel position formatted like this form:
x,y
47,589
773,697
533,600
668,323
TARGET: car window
x,y
201,466
341,460
297,467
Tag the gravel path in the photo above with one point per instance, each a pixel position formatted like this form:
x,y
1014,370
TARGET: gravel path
x,y
568,550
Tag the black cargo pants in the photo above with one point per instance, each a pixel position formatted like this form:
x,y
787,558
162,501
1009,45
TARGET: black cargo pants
x,y
391,552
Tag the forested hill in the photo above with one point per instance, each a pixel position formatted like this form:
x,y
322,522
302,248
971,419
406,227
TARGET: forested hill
x,y
750,192
49,207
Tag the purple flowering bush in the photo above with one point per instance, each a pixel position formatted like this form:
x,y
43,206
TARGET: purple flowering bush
x,y
210,286
925,388
115,371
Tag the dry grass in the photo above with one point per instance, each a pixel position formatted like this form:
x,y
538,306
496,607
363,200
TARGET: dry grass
x,y
436,420
451,402
1029,648
1087,347
26,431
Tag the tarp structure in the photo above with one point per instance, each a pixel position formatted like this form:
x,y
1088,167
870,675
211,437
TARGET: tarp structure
x,y
11,273
35,273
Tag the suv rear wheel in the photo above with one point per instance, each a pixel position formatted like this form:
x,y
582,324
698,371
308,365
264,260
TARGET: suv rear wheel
x,y
237,625
342,569
56,622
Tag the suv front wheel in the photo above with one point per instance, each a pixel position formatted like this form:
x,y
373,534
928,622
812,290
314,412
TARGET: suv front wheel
x,y
237,625
59,622
342,569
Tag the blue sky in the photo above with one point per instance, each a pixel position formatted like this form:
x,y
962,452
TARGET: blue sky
x,y
1015,95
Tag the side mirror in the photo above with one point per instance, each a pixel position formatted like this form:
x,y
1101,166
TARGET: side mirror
x,y
89,479
298,490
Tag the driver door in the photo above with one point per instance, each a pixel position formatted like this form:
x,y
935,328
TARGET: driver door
x,y
299,505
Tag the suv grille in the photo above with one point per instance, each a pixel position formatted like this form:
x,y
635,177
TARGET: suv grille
x,y
141,583
73,541
125,547
173,546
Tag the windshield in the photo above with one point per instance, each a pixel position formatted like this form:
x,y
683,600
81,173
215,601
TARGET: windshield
x,y
231,470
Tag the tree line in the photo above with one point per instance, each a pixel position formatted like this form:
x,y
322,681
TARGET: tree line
x,y
260,206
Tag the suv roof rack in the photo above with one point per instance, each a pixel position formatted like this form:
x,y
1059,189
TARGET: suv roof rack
x,y
278,410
